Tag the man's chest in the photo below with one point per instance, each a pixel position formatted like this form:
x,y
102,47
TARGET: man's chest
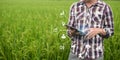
x,y
93,15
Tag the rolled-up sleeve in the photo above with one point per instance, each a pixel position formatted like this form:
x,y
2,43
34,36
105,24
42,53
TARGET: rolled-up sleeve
x,y
108,22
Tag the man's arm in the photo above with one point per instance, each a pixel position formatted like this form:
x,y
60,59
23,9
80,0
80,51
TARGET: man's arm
x,y
71,20
109,23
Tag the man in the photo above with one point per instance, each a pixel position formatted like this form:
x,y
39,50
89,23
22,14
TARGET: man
x,y
95,17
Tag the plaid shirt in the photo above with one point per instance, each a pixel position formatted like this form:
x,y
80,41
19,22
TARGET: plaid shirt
x,y
98,15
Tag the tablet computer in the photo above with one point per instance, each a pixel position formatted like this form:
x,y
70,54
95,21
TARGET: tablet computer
x,y
73,28
70,27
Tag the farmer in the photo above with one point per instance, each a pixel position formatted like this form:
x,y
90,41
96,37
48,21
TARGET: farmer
x,y
94,17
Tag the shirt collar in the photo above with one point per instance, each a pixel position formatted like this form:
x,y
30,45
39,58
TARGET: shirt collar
x,y
99,3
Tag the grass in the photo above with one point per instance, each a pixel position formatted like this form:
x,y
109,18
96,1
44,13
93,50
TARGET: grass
x,y
32,30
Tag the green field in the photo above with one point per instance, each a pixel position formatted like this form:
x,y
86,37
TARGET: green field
x,y
33,30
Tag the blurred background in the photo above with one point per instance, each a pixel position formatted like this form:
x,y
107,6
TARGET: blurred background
x,y
34,30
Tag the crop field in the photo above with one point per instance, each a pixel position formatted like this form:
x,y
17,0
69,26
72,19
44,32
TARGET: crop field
x,y
34,30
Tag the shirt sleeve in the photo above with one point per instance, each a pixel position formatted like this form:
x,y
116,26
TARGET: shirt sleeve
x,y
71,20
108,22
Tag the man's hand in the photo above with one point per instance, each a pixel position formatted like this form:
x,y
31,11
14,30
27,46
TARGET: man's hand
x,y
73,32
94,31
